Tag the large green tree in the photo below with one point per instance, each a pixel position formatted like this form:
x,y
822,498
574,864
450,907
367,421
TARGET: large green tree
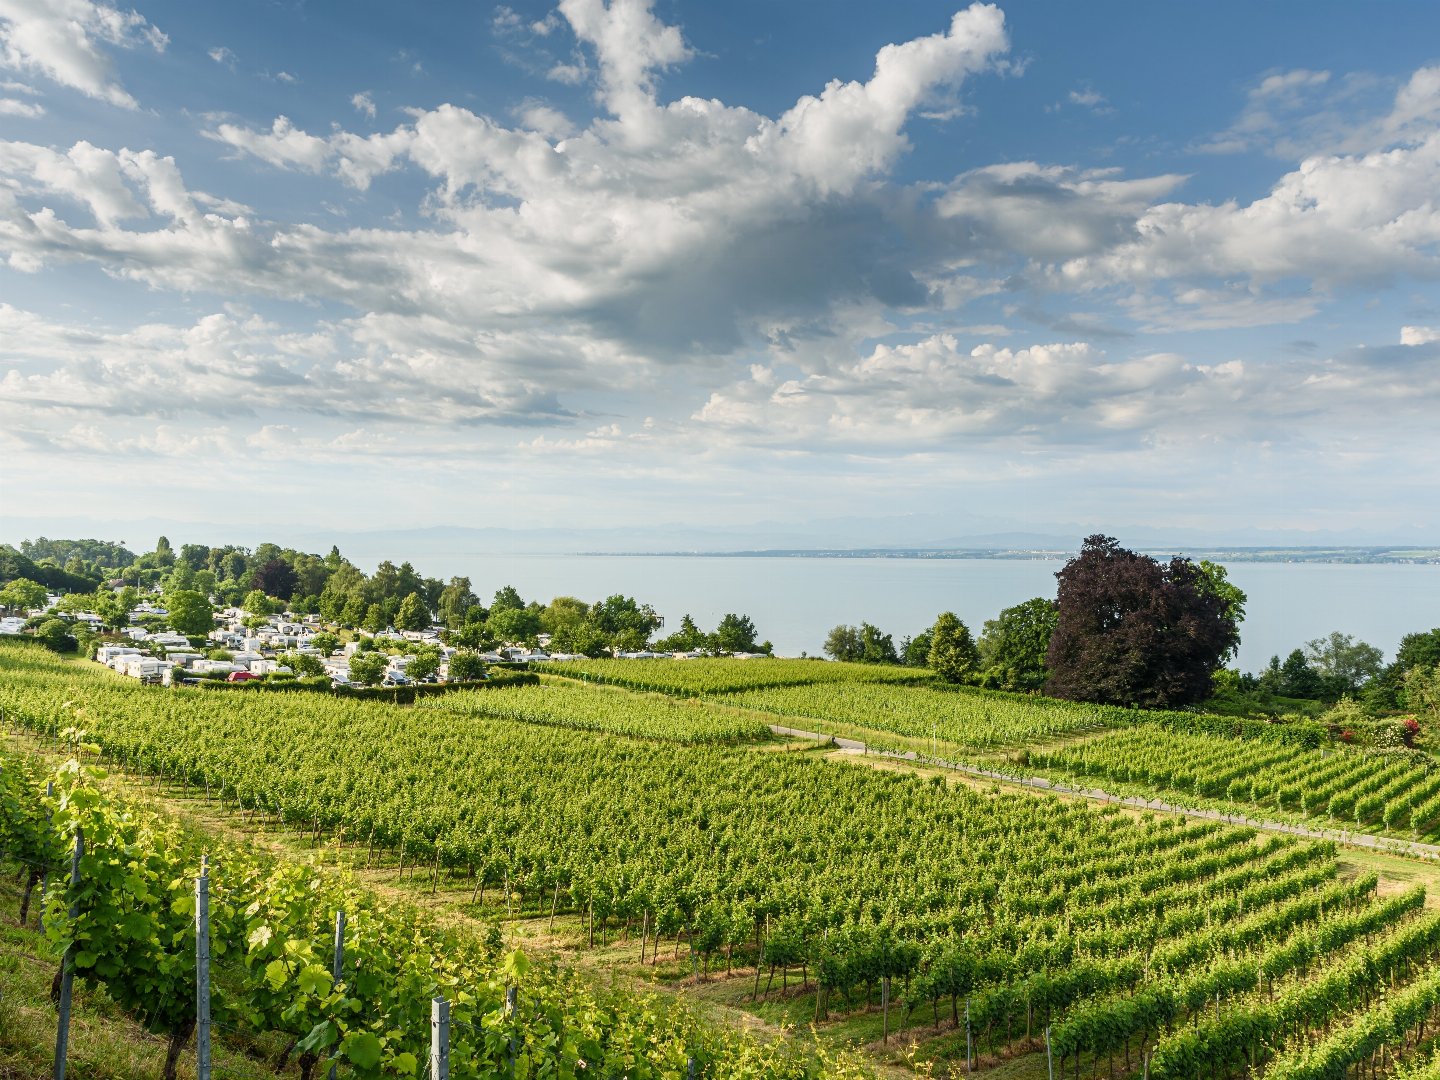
x,y
1345,664
736,633
190,613
413,614
1133,631
22,594
1014,643
953,655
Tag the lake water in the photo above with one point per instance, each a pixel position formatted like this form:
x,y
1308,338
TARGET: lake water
x,y
795,601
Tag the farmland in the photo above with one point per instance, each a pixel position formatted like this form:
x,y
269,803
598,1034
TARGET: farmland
x,y
675,823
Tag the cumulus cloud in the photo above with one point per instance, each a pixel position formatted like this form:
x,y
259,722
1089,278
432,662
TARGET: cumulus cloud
x,y
1337,219
235,367
364,104
940,394
64,41
1419,335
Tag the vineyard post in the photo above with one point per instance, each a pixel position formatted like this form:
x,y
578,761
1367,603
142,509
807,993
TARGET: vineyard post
x,y
1050,1058
439,1039
967,1035
45,870
512,1009
885,1008
339,959
67,962
202,970
690,1068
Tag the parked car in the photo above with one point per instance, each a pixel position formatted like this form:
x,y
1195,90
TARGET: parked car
x,y
240,676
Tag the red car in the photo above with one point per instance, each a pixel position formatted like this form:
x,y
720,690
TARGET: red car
x,y
239,676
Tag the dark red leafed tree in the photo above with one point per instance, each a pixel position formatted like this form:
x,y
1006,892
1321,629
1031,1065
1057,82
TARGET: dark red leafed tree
x,y
1133,631
275,578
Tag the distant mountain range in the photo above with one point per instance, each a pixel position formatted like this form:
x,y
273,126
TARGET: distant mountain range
x,y
910,536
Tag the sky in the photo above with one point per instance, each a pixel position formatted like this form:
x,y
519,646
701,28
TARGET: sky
x,y
361,265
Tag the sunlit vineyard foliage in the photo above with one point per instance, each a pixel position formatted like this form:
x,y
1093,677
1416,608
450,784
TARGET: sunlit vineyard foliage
x,y
1398,792
132,931
1115,931
961,716
719,675
580,709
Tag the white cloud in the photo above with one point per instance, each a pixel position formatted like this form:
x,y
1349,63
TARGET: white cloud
x,y
939,394
16,107
364,104
1419,335
631,46
223,56
63,40
1335,219
1089,98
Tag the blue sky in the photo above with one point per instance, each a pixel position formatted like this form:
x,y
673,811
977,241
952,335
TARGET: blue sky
x,y
532,265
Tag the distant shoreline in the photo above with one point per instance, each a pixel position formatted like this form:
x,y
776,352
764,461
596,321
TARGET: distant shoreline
x,y
1407,556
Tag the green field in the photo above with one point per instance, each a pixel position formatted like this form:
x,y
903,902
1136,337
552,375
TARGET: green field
x,y
792,886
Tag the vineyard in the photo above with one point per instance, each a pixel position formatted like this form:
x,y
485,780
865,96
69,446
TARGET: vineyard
x,y
129,926
575,708
1399,793
960,717
1149,944
709,676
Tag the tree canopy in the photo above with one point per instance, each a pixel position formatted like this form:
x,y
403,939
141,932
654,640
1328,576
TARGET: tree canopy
x,y
1133,631
1013,645
953,654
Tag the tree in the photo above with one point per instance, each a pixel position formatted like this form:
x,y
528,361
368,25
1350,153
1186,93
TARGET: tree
x,y
115,607
736,633
1345,664
518,626
424,664
353,613
190,613
325,643
1131,631
687,639
1422,689
375,620
456,599
413,615
303,664
473,635
1297,678
55,635
843,643
1217,582
22,594
627,624
465,666
876,647
1416,650
507,599
915,651
257,603
1014,643
953,655
275,578
367,669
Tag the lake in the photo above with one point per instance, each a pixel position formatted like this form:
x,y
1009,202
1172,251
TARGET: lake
x,y
795,601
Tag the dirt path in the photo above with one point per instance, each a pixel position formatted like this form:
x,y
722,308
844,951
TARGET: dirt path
x,y
1413,848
